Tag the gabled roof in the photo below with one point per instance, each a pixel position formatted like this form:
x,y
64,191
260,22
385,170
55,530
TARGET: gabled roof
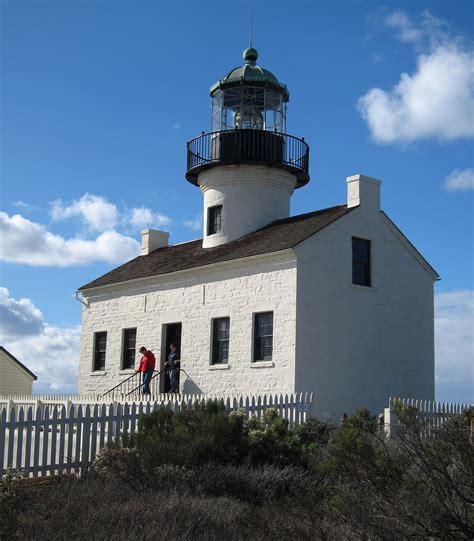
x,y
279,235
17,362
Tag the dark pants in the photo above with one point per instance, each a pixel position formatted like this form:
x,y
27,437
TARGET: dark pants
x,y
147,375
173,374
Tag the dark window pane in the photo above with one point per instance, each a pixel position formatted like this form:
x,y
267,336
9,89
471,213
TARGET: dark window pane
x,y
361,262
214,220
263,337
220,340
129,348
100,345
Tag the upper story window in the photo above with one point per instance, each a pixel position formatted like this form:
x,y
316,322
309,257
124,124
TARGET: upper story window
x,y
263,337
214,220
129,348
100,346
361,262
220,340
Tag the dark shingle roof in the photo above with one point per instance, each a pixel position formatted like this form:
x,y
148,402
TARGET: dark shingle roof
x,y
16,361
279,235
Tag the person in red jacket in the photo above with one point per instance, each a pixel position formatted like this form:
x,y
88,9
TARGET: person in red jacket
x,y
147,367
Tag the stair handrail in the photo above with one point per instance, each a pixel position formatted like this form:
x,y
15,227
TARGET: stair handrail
x,y
142,383
119,384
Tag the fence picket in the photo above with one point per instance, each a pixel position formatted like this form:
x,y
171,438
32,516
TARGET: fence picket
x,y
62,438
86,438
11,437
70,437
78,438
19,438
44,459
3,434
37,434
29,428
54,438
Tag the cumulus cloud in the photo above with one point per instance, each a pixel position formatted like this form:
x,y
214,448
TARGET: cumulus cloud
x,y
51,352
24,241
95,212
141,218
436,100
19,317
459,181
454,341
196,224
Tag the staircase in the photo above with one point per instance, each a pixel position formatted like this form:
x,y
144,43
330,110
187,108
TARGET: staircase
x,y
131,387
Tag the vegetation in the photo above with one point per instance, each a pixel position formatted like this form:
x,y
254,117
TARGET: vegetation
x,y
203,473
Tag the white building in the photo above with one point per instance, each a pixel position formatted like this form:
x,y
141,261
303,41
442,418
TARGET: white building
x,y
337,302
15,378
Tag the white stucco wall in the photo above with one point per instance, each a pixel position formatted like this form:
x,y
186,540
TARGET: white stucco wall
x,y
236,289
356,345
252,196
13,379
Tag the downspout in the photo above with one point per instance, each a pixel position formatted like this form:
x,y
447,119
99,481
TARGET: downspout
x,y
81,299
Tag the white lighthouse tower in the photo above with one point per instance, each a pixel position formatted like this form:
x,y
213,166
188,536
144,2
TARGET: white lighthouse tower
x,y
248,166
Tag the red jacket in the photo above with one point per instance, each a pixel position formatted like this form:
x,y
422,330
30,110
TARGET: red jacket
x,y
147,361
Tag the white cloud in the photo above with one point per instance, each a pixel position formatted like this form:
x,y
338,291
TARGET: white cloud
x,y
454,344
408,32
141,218
176,126
94,211
30,243
459,181
51,352
18,317
437,100
196,224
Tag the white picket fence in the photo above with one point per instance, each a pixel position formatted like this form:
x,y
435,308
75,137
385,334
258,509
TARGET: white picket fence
x,y
52,439
432,414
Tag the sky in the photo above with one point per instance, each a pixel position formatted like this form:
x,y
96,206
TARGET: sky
x,y
99,97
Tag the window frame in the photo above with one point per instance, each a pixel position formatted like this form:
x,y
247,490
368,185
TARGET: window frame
x,y
214,226
216,342
95,366
366,264
256,346
127,349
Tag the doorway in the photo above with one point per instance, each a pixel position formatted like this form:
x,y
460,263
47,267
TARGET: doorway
x,y
171,334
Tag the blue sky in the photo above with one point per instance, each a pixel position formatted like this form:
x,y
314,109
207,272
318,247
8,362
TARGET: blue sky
x,y
99,98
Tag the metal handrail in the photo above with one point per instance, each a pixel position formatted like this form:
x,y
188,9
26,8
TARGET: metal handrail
x,y
141,384
248,146
119,384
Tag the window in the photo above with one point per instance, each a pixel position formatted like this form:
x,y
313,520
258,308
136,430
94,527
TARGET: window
x,y
214,220
220,340
100,345
129,348
361,262
263,337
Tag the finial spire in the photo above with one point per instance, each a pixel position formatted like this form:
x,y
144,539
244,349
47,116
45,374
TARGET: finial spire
x,y
250,24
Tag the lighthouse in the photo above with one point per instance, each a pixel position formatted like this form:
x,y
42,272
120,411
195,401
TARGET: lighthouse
x,y
336,302
247,166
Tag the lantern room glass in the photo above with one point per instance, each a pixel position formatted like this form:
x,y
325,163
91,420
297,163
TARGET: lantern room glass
x,y
248,107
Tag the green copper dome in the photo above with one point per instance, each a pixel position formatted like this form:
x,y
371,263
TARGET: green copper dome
x,y
252,75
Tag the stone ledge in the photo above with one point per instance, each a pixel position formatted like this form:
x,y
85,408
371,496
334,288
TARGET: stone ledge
x,y
99,373
218,367
262,364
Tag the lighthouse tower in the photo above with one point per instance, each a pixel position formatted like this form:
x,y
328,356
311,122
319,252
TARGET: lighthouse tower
x,y
248,166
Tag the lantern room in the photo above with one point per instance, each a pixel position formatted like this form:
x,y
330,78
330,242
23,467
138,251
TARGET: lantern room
x,y
248,125
249,97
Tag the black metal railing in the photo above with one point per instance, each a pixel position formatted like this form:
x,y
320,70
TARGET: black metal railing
x,y
133,384
259,147
154,386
